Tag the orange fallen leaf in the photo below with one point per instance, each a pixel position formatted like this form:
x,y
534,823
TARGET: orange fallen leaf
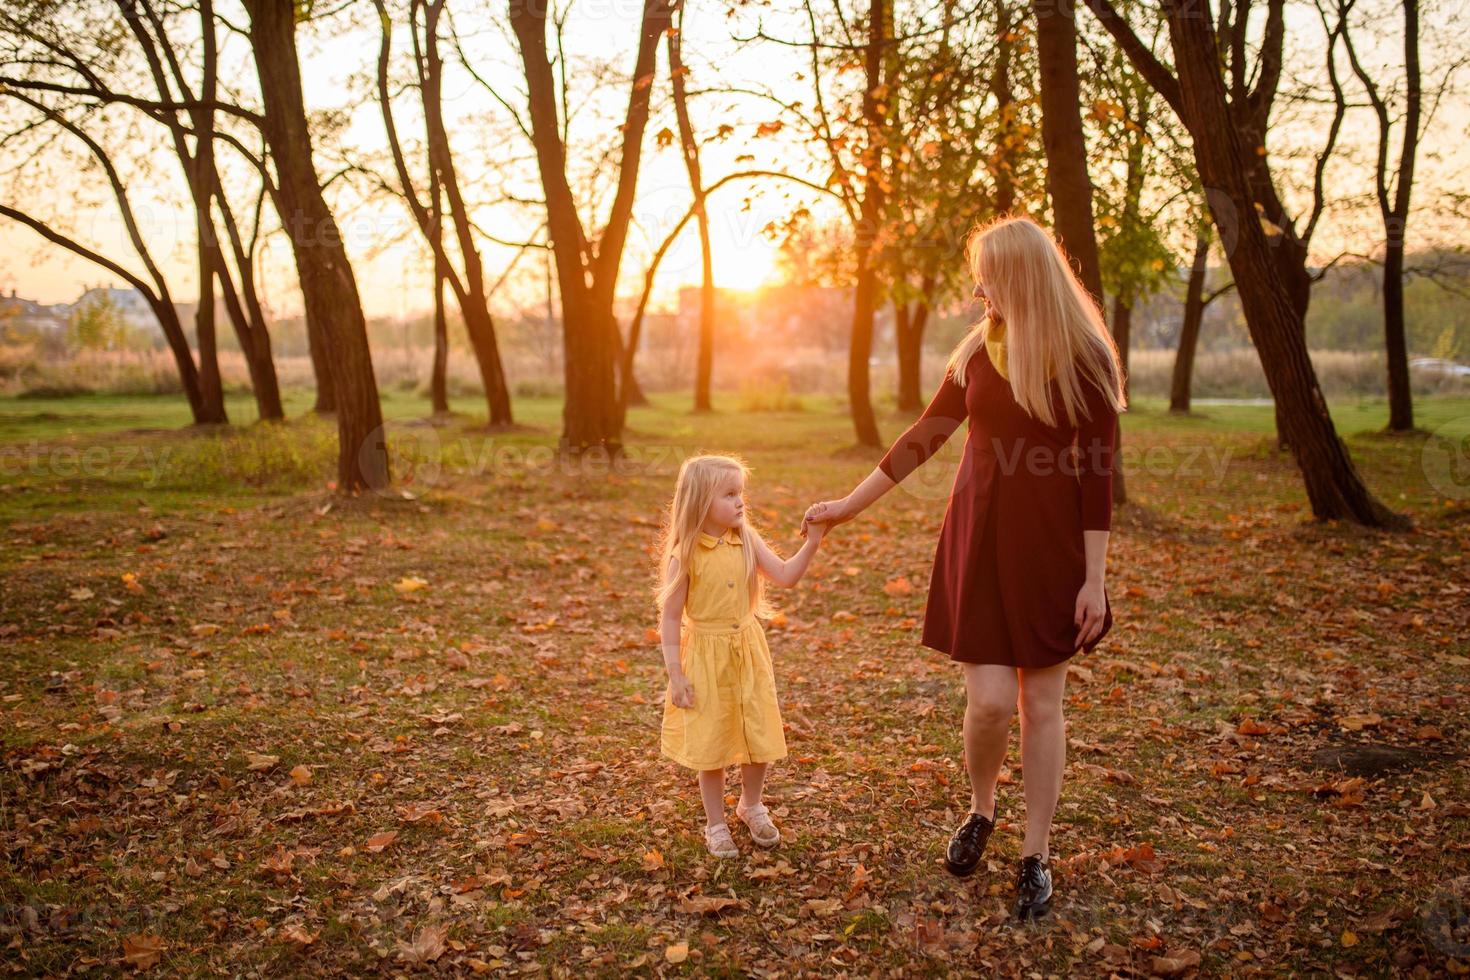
x,y
142,950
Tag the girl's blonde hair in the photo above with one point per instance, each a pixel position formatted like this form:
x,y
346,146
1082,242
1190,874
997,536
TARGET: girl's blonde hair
x,y
1053,326
700,477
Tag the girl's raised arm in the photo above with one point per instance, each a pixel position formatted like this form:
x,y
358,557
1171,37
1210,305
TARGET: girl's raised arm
x,y
788,572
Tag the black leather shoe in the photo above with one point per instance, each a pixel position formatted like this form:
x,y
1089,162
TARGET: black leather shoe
x,y
1033,887
967,845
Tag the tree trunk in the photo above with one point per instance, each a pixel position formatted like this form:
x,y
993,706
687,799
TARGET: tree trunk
x,y
1333,485
704,362
1122,331
1067,180
243,306
1400,396
909,325
258,360
200,178
1194,315
1003,163
327,283
1122,336
317,346
592,413
438,375
475,303
870,211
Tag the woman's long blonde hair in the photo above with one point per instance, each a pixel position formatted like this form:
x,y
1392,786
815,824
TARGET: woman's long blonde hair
x,y
1053,326
694,491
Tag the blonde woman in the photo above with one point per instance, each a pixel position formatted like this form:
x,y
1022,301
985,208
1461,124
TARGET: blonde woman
x,y
1018,584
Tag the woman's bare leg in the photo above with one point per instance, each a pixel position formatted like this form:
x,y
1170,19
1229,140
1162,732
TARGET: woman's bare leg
x,y
712,790
1043,751
990,703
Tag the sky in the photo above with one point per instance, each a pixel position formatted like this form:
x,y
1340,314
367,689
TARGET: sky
x,y
392,264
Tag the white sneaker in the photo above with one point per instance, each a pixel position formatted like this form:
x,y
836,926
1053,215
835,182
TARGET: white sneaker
x,y
719,842
758,819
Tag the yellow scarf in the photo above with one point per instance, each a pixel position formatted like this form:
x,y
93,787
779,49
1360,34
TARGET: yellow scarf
x,y
995,346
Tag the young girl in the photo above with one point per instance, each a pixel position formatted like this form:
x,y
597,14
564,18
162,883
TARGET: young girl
x,y
720,707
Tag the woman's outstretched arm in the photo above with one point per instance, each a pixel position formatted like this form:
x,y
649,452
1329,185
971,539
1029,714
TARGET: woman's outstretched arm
x,y
909,451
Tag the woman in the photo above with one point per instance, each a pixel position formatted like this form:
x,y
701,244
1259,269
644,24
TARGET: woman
x,y
1018,581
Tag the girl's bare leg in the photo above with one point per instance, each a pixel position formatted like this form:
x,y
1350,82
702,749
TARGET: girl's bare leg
x,y
1043,751
990,703
752,783
712,791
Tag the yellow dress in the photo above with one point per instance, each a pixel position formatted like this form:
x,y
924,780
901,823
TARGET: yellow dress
x,y
736,718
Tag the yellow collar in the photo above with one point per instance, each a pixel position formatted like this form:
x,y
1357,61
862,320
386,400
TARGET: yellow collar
x,y
995,346
731,536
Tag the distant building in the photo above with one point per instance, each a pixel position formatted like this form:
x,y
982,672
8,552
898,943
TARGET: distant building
x,y
130,304
28,317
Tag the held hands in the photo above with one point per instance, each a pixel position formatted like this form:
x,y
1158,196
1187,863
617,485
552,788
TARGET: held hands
x,y
681,691
1091,609
826,515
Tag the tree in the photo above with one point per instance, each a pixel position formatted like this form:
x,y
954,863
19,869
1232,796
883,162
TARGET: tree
x,y
704,362
96,68
1393,202
1270,274
154,289
1067,180
959,159
468,282
587,272
327,283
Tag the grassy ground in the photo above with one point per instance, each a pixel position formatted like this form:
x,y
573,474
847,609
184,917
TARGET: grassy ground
x,y
249,729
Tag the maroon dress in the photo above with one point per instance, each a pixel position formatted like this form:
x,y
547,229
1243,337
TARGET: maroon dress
x,y
1010,559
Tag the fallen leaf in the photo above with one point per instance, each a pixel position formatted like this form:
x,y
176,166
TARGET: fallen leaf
x,y
142,950
1172,966
410,583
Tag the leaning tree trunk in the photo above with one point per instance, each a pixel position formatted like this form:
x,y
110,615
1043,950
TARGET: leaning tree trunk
x,y
475,303
327,284
1194,315
321,369
1333,485
243,304
704,361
